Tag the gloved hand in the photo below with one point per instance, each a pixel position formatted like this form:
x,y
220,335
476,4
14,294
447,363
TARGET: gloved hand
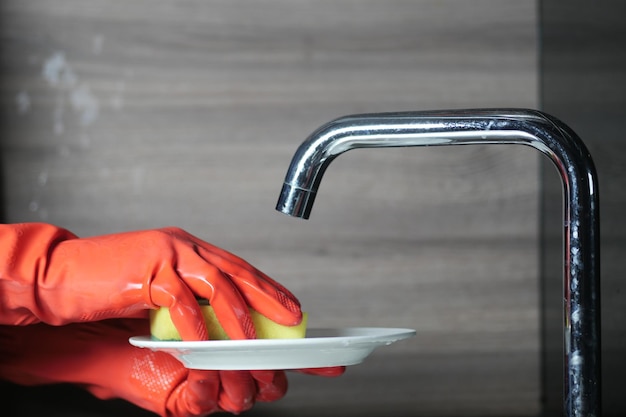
x,y
99,357
47,274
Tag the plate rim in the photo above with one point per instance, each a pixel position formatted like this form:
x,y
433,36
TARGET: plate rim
x,y
348,346
383,334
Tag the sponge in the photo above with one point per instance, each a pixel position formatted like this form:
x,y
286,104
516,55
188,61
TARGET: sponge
x,y
162,327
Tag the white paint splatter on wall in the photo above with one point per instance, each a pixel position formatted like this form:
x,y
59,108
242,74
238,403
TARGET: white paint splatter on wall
x,y
59,74
85,104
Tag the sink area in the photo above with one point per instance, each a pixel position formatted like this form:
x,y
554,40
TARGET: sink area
x,y
551,137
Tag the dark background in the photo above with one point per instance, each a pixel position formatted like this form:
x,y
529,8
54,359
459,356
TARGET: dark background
x,y
583,82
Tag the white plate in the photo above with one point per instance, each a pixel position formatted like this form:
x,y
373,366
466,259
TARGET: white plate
x,y
320,348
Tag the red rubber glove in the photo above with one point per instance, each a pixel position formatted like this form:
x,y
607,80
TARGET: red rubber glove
x,y
98,357
49,275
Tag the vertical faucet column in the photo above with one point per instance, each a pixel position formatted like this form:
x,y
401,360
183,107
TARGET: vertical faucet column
x,y
581,261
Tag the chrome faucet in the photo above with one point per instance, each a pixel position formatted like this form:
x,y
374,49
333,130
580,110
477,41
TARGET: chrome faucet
x,y
581,275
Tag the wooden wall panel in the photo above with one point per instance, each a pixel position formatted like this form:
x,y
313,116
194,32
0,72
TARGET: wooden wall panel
x,y
140,114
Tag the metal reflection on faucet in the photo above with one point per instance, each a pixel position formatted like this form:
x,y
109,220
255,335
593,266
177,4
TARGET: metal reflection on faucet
x,y
581,274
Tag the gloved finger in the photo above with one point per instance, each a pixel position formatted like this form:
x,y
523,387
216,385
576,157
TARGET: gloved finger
x,y
196,396
233,314
167,290
229,297
330,372
259,291
238,391
205,280
231,264
271,385
282,295
228,257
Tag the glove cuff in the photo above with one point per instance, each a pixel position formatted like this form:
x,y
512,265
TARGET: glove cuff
x,y
25,250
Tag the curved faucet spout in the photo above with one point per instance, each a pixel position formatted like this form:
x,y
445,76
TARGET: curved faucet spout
x,y
508,126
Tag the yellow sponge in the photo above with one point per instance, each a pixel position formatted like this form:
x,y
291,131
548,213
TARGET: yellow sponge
x,y
162,328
